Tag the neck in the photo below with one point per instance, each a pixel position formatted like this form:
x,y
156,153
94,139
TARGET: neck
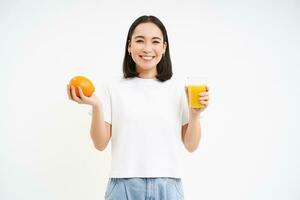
x,y
148,74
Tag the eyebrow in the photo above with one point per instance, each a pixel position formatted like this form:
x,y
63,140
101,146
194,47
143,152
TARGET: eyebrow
x,y
158,38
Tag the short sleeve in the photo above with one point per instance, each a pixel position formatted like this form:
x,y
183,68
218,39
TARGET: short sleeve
x,y
184,108
105,99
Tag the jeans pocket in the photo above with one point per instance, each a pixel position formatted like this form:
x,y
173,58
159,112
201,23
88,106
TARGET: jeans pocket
x,y
111,185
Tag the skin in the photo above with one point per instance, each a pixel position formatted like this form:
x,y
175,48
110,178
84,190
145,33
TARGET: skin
x,y
146,48
146,42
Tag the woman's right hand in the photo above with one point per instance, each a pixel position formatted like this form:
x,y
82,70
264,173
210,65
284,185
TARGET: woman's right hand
x,y
92,100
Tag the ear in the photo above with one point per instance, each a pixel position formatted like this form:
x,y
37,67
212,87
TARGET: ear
x,y
164,47
129,46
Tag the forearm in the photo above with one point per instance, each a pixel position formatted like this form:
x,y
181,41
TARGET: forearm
x,y
99,134
193,133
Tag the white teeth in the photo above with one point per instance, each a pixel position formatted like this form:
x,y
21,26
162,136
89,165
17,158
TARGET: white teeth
x,y
147,57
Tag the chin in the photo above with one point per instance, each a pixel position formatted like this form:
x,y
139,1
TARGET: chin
x,y
147,66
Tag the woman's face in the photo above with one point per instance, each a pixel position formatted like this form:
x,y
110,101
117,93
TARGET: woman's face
x,y
146,47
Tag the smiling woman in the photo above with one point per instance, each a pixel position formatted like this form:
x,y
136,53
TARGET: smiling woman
x,y
147,50
146,117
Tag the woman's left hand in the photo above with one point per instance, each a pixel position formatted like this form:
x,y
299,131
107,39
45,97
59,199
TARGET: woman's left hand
x,y
204,100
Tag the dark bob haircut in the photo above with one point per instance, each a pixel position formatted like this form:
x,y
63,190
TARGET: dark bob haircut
x,y
164,67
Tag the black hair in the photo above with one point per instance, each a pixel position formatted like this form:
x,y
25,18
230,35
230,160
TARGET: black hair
x,y
164,67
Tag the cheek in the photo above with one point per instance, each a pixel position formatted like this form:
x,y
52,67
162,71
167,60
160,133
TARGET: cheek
x,y
159,54
159,49
136,48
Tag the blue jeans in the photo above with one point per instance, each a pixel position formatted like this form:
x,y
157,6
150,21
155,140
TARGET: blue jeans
x,y
144,189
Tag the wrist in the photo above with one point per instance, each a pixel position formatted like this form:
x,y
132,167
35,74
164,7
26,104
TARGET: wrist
x,y
195,116
97,105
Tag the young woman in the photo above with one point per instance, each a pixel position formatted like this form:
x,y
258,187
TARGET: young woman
x,y
146,117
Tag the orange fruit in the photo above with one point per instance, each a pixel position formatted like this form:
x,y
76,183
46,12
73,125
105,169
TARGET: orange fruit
x,y
84,83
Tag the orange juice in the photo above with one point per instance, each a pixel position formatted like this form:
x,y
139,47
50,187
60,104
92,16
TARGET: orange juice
x,y
194,95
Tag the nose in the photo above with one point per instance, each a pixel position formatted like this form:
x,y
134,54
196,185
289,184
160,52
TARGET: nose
x,y
147,47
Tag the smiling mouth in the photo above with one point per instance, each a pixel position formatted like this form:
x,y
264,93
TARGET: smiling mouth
x,y
147,57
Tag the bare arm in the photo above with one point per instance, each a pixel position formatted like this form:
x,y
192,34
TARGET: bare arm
x,y
191,134
100,130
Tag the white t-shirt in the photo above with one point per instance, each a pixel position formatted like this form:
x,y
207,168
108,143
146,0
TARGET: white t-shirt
x,y
146,117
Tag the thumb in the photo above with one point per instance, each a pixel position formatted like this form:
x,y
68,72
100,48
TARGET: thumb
x,y
186,92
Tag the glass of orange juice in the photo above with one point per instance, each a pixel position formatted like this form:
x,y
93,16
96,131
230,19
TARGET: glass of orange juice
x,y
195,85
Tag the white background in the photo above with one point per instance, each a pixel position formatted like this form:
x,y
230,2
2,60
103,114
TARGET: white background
x,y
249,50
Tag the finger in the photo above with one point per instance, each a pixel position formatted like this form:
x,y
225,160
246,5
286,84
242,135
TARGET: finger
x,y
186,91
81,93
69,92
203,98
205,103
73,92
74,96
203,94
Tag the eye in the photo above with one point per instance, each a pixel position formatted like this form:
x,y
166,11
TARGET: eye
x,y
139,41
156,42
